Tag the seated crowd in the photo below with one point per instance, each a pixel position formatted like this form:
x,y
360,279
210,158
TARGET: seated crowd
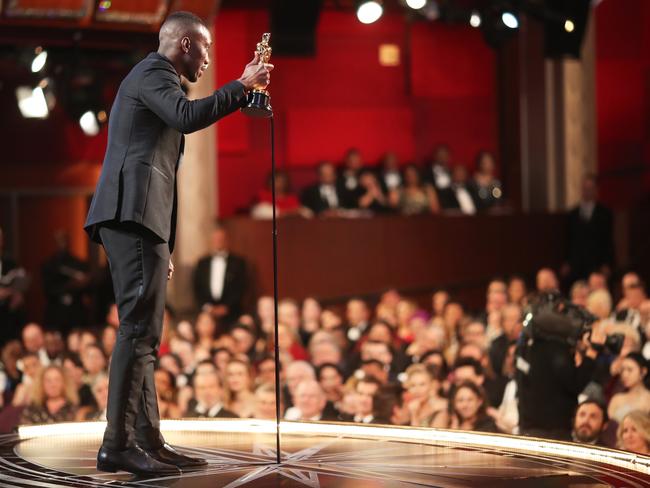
x,y
392,362
355,189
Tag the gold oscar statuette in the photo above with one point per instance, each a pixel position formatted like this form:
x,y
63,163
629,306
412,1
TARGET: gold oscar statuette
x,y
259,100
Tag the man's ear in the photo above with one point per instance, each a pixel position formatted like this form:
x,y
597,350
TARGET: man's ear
x,y
185,44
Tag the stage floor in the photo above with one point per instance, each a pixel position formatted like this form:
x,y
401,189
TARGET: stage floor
x,y
243,453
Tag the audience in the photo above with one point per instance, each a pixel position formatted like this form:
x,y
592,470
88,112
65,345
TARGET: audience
x,y
383,361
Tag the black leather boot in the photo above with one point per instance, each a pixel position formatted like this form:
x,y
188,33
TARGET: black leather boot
x,y
133,460
167,454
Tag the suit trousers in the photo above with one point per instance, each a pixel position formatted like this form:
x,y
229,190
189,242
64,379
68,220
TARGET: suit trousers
x,y
139,263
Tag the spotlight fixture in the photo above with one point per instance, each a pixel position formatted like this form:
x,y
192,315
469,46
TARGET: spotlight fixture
x,y
89,123
369,11
31,102
475,19
569,26
37,102
416,4
510,20
39,59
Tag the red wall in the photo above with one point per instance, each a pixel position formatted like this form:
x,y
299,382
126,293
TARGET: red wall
x,y
623,99
343,97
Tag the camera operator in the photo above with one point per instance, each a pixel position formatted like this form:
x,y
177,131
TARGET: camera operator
x,y
553,369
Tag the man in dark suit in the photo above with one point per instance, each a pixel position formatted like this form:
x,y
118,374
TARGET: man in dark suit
x,y
208,398
133,214
590,239
220,280
65,281
328,195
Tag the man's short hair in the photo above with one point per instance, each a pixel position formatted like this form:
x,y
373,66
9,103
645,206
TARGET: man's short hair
x,y
473,363
592,401
184,18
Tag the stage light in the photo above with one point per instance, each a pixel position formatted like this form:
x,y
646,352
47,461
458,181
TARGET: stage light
x,y
89,124
416,4
569,26
39,60
32,102
369,12
475,19
510,20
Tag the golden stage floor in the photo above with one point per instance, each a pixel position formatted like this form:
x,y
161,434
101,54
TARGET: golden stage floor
x,y
243,453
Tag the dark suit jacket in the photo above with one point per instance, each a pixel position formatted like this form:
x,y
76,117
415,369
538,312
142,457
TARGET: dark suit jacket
x,y
234,286
312,199
149,116
221,414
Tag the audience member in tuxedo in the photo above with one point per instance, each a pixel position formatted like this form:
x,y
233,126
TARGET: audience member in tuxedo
x,y
12,283
33,339
484,185
357,315
389,174
286,202
327,197
372,197
634,294
208,397
220,280
511,327
459,196
310,404
589,423
546,281
365,389
415,197
65,281
590,235
437,171
349,178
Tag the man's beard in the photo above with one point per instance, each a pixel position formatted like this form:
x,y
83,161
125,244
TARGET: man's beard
x,y
585,435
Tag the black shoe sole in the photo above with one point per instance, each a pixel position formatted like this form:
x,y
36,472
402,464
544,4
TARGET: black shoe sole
x,y
112,468
106,467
